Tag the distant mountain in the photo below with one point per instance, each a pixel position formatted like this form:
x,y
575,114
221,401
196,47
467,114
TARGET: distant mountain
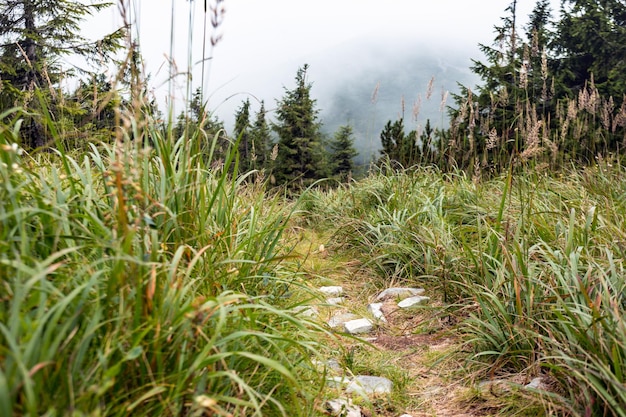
x,y
365,84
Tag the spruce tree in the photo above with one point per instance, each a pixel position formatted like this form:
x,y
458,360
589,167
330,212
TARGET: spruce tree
x,y
34,34
487,125
342,153
260,138
429,145
299,139
498,98
242,135
392,140
591,40
198,121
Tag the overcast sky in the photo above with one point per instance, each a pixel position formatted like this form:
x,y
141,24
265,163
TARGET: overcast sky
x,y
264,41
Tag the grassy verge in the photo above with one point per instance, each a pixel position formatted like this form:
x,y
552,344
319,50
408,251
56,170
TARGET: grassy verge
x,y
138,281
530,266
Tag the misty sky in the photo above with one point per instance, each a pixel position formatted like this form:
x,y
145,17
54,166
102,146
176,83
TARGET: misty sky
x,y
265,41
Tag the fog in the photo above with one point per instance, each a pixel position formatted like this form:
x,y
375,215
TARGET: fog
x,y
351,46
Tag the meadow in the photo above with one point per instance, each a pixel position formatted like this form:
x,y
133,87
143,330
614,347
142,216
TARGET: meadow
x,y
144,271
138,278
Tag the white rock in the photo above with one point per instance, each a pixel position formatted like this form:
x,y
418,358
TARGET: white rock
x,y
306,311
330,364
413,301
536,383
399,292
369,385
406,415
338,320
495,385
333,364
359,326
376,310
354,411
332,291
335,301
342,407
337,381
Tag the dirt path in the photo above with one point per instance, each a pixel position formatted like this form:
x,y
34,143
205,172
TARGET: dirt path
x,y
416,349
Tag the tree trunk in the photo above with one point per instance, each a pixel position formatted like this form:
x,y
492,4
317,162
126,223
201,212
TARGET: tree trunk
x,y
34,133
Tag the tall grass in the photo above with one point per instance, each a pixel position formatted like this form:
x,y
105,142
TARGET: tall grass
x,y
136,280
531,264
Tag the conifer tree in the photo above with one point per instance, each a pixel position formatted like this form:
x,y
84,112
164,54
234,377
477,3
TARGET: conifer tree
x,y
198,121
429,146
342,153
499,94
485,123
392,138
34,34
536,57
242,134
260,138
591,40
299,139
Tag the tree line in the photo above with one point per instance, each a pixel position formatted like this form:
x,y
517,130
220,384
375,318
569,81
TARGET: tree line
x,y
549,94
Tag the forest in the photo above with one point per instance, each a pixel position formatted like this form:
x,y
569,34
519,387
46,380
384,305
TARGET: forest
x,y
154,263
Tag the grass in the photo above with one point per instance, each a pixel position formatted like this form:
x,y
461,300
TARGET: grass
x,y
135,280
142,277
531,266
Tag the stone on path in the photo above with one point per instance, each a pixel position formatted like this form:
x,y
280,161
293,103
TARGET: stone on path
x,y
331,364
332,291
406,415
338,320
359,326
342,407
536,383
306,311
369,385
399,292
376,310
335,301
337,381
413,301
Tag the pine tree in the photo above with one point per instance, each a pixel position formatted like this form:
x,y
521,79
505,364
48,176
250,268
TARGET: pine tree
x,y
391,139
260,138
242,134
500,94
429,146
198,121
299,139
487,124
34,34
536,57
342,153
591,40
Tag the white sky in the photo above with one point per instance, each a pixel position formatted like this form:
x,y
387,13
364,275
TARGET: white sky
x,y
265,41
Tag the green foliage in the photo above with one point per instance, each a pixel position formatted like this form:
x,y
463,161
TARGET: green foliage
x,y
589,43
34,34
547,97
140,280
392,139
260,134
530,265
242,133
342,153
299,158
196,121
